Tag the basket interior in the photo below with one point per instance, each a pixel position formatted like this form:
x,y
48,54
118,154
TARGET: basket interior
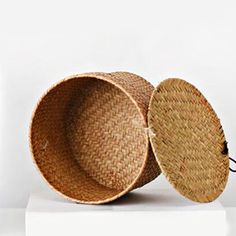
x,y
88,139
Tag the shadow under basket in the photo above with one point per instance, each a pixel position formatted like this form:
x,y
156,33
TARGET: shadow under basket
x,y
89,136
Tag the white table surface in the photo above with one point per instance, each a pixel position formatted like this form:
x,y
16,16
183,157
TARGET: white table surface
x,y
12,221
140,212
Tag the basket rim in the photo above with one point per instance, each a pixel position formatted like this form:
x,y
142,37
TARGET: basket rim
x,y
103,77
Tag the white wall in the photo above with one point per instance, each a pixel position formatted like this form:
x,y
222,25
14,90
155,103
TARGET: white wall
x,y
43,41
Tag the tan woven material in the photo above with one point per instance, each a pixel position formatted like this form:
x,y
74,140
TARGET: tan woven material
x,y
188,140
89,136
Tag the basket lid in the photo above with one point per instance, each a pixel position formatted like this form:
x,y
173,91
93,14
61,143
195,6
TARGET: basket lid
x,y
188,140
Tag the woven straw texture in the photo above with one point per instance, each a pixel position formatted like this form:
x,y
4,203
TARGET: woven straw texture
x,y
188,141
88,136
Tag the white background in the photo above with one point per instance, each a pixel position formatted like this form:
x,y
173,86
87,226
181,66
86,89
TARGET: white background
x,y
43,41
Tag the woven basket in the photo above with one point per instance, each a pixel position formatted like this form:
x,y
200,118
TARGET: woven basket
x,y
89,136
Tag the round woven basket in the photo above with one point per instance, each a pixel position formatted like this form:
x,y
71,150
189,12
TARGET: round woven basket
x,y
89,136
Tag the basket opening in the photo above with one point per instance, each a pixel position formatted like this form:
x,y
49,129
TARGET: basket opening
x,y
88,139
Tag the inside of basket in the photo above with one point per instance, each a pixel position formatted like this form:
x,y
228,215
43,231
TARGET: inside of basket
x,y
88,139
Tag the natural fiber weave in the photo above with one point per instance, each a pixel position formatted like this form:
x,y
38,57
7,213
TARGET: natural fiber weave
x,y
188,140
89,139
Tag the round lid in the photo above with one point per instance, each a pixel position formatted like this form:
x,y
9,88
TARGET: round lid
x,y
188,140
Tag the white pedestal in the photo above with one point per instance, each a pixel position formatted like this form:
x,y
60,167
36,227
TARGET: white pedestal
x,y
142,212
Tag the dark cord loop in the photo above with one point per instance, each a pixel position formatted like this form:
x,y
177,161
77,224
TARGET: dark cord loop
x,y
232,170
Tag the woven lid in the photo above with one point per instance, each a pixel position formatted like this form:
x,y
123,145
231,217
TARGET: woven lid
x,y
188,140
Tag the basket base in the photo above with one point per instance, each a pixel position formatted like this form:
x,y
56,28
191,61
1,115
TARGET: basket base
x,y
141,212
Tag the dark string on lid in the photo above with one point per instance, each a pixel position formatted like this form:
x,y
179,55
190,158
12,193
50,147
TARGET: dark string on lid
x,y
232,170
226,152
